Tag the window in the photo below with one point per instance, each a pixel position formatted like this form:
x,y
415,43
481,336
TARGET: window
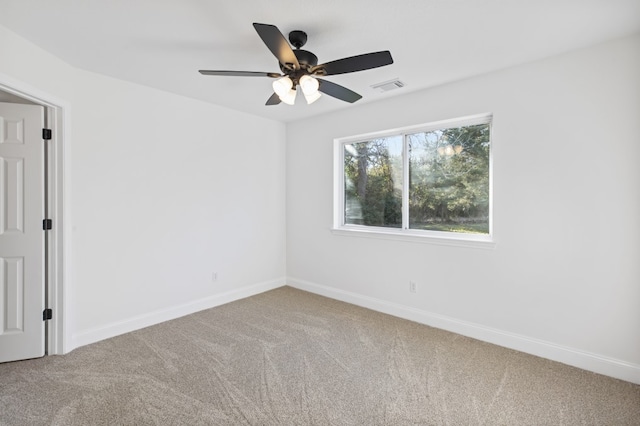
x,y
429,180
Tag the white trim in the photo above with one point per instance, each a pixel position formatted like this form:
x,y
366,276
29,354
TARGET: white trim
x,y
59,201
469,120
575,357
404,233
161,315
492,231
416,236
338,184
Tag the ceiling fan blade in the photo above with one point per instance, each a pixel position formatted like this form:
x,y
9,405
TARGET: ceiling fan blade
x,y
277,44
273,100
355,63
337,91
240,73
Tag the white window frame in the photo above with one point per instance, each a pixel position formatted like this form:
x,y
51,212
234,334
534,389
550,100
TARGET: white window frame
x,y
405,234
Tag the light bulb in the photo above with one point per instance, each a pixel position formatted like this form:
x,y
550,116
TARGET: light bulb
x,y
309,85
282,86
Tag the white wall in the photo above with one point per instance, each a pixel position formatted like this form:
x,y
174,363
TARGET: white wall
x,y
564,278
164,191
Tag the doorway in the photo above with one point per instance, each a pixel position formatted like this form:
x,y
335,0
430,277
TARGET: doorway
x,y
53,187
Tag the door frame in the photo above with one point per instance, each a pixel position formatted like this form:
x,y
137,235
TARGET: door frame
x,y
58,185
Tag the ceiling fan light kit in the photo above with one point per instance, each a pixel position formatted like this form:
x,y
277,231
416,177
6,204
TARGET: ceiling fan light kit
x,y
300,68
310,86
283,87
289,98
312,97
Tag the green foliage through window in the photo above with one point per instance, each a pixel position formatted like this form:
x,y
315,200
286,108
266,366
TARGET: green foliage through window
x,y
373,182
447,171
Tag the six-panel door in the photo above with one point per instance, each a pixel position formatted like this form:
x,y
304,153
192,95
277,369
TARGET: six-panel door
x,y
21,234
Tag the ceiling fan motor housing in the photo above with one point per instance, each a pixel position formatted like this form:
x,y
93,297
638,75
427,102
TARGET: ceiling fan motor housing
x,y
306,59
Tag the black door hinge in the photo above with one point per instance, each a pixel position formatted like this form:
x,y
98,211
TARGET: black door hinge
x,y
47,314
46,134
47,224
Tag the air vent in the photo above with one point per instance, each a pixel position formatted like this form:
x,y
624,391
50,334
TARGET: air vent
x,y
388,85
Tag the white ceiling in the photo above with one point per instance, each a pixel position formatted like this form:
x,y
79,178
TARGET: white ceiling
x,y
163,43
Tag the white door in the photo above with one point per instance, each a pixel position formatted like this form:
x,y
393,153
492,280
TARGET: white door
x,y
21,234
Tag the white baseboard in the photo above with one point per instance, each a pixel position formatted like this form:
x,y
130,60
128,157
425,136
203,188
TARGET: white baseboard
x,y
156,317
585,360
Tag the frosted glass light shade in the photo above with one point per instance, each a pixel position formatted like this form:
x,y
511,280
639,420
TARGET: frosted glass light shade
x,y
312,98
282,86
289,97
309,85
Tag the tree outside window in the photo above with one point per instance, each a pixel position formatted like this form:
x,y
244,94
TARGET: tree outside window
x,y
446,172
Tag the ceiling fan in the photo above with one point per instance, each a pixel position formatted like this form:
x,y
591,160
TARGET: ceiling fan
x,y
300,68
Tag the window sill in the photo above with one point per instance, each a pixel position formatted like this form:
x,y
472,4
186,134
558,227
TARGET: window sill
x,y
414,236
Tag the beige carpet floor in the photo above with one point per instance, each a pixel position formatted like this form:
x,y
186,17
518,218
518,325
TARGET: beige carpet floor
x,y
287,357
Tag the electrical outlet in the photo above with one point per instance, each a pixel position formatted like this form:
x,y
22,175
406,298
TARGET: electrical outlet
x,y
214,277
413,287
